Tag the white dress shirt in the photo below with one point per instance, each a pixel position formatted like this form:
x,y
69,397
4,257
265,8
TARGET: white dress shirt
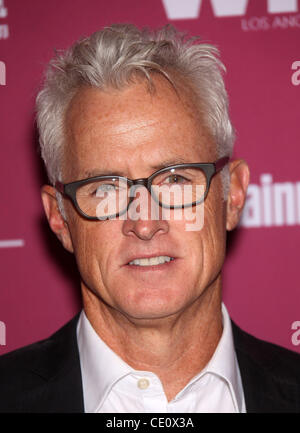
x,y
111,385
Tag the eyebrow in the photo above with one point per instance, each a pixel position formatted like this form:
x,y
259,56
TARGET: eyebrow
x,y
97,172
169,162
156,167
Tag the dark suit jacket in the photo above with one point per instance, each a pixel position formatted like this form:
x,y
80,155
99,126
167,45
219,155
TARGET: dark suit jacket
x,y
46,377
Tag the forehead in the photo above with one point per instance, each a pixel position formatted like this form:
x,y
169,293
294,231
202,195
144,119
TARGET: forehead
x,y
115,127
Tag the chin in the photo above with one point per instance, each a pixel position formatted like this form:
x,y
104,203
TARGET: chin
x,y
152,305
147,315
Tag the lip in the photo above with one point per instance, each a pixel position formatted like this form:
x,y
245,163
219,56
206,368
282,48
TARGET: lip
x,y
148,256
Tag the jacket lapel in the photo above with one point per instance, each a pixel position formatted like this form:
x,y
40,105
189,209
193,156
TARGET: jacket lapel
x,y
58,368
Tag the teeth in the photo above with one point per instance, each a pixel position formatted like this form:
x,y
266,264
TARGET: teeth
x,y
152,261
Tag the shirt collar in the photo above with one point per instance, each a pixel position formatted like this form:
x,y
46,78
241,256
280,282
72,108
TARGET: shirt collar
x,y
96,356
101,367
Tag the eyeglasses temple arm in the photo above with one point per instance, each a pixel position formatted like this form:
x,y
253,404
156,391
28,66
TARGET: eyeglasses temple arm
x,y
221,163
60,187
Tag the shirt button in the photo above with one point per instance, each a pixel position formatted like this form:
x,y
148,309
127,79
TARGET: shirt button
x,y
143,383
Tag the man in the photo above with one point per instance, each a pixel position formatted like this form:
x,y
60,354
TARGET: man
x,y
136,138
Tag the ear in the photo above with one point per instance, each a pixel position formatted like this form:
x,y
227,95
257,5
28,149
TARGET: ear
x,y
239,180
56,221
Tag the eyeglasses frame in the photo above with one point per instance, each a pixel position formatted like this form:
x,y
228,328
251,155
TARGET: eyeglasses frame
x,y
210,169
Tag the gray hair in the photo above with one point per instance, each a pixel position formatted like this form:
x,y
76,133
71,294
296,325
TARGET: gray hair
x,y
111,58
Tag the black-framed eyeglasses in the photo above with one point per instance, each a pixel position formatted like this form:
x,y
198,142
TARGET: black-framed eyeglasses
x,y
174,187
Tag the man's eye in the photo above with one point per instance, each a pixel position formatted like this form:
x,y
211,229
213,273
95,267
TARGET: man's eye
x,y
175,178
101,189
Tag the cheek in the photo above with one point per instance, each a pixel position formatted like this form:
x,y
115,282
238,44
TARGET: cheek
x,y
93,243
205,248
214,236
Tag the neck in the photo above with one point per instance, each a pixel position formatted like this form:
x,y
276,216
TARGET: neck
x,y
178,346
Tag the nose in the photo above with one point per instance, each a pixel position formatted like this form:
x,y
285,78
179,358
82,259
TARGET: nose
x,y
144,216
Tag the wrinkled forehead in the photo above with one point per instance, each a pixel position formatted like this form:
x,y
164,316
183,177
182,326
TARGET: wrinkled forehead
x,y
122,123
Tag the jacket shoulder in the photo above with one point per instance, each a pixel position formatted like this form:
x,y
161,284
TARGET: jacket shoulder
x,y
31,367
29,356
275,359
270,374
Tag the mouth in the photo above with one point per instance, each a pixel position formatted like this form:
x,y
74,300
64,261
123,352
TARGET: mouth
x,y
151,261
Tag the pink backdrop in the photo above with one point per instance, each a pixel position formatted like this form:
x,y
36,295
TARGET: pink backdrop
x,y
260,44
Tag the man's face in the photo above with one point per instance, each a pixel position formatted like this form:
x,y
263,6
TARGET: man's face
x,y
132,133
